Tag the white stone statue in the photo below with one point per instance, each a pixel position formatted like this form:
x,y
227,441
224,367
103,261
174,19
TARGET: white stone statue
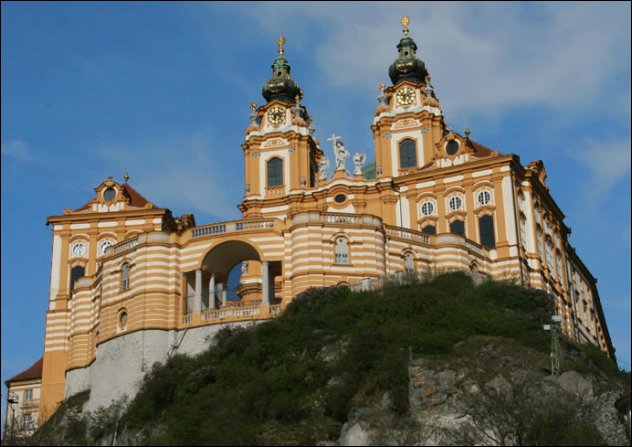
x,y
340,152
322,168
358,160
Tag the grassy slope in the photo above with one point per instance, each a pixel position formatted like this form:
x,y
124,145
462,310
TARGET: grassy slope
x,y
293,380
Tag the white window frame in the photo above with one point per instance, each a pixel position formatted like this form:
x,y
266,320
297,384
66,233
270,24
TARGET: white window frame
x,y
342,251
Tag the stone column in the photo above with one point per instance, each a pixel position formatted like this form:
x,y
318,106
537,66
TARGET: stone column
x,y
224,292
265,285
197,301
220,292
211,292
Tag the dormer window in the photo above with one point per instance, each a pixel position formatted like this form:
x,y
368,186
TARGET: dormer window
x,y
109,194
452,147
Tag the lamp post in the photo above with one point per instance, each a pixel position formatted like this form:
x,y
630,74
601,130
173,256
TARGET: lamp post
x,y
12,400
556,352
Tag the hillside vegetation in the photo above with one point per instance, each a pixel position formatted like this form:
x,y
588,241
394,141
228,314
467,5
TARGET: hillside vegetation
x,y
338,361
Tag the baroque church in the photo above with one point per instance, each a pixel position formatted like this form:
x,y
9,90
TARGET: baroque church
x,y
131,284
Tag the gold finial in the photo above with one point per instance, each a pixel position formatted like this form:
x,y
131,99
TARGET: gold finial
x,y
126,176
382,86
280,42
253,107
405,21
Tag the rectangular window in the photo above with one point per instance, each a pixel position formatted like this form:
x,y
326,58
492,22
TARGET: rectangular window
x,y
27,420
486,228
28,394
342,251
275,172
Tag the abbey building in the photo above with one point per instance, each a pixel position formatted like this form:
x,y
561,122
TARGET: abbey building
x,y
131,284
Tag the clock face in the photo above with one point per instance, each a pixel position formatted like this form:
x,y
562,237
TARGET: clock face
x,y
103,246
276,115
405,96
79,250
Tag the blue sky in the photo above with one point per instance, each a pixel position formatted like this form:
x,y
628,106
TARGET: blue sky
x,y
163,90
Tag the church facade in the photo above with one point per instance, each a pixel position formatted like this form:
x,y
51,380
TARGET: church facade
x,y
131,284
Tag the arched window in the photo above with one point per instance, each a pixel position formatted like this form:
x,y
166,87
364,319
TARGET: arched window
x,y
342,251
486,228
409,263
523,231
429,229
457,227
275,172
549,256
408,153
538,235
77,272
125,276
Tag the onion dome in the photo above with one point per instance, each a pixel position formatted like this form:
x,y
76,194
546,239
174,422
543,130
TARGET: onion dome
x,y
407,67
280,86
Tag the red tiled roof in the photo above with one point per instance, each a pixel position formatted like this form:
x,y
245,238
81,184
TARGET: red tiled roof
x,y
34,372
480,150
136,199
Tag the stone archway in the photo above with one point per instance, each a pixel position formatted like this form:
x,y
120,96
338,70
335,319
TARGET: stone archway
x,y
207,286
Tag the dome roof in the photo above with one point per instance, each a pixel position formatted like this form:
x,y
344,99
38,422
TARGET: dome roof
x,y
407,67
280,86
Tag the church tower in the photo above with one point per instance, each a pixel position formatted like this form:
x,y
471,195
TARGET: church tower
x,y
281,156
408,122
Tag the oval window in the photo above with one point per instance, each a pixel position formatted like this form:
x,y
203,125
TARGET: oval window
x,y
109,194
452,147
340,198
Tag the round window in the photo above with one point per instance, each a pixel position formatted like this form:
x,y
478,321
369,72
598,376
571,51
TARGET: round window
x,y
104,246
427,208
452,147
484,197
340,198
455,203
109,194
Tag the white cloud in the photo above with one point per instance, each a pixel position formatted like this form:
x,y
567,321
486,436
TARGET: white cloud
x,y
183,174
481,56
607,161
16,149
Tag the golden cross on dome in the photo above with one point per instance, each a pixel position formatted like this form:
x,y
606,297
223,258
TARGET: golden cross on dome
x,y
405,21
280,42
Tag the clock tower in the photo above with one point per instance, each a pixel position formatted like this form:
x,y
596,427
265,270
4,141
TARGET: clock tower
x,y
408,122
281,156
